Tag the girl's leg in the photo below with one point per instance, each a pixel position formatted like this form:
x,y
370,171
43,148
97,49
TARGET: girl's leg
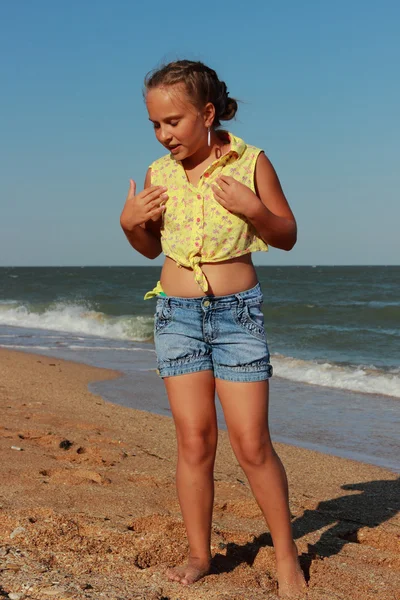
x,y
245,408
192,401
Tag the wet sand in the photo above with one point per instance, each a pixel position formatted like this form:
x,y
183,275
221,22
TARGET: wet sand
x,y
88,506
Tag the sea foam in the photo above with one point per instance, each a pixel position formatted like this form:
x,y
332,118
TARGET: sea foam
x,y
76,318
365,379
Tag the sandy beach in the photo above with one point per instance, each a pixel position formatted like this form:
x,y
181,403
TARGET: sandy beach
x,y
88,506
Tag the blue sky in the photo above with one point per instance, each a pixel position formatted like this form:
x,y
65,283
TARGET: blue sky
x,y
319,89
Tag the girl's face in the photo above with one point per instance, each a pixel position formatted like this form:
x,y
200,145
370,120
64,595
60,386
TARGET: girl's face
x,y
178,124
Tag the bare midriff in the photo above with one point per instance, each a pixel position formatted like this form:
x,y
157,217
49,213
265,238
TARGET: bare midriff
x,y
224,278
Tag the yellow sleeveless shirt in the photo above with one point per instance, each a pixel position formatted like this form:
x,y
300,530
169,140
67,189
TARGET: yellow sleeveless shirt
x,y
195,228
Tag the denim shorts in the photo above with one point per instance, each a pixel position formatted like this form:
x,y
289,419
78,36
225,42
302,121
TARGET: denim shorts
x,y
224,334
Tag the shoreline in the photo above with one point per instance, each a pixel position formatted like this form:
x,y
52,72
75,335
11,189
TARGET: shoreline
x,y
89,508
345,443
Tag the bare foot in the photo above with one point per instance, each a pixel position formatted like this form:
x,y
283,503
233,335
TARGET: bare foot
x,y
194,570
291,582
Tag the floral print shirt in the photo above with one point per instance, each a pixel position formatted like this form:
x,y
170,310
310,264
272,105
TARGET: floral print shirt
x,y
195,228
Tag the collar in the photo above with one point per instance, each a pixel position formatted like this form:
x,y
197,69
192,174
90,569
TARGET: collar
x,y
238,146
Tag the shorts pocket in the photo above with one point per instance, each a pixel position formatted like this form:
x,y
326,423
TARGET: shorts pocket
x,y
250,317
163,315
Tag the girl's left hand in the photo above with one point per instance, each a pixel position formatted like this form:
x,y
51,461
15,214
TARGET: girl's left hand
x,y
235,196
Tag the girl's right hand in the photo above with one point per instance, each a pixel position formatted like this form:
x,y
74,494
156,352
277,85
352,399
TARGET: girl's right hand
x,y
148,204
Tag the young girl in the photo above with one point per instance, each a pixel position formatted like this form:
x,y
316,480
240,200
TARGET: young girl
x,y
207,204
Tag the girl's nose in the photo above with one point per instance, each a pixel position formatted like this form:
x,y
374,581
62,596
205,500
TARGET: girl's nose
x,y
164,135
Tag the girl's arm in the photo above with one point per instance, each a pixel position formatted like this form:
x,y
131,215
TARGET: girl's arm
x,y
142,232
272,217
267,209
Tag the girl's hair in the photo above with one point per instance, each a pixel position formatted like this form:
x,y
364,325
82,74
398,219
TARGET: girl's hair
x,y
202,85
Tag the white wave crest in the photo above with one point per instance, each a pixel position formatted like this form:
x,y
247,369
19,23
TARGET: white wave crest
x,y
112,348
28,348
74,318
367,380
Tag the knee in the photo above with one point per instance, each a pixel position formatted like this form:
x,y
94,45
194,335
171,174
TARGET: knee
x,y
253,452
197,449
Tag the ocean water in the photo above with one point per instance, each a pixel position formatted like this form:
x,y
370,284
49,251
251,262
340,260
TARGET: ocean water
x,y
334,330
331,326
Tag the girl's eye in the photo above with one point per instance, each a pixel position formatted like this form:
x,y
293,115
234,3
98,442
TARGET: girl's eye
x,y
174,123
156,125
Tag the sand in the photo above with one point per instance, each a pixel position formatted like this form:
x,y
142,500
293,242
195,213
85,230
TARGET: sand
x,y
88,505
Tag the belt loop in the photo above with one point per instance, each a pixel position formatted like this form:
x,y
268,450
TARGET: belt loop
x,y
240,300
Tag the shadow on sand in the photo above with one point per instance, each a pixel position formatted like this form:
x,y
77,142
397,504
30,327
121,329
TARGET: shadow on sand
x,y
375,503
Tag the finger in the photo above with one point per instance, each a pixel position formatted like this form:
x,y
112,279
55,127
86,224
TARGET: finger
x,y
225,187
132,188
220,200
151,192
222,203
156,213
161,200
218,193
155,204
154,189
225,180
154,195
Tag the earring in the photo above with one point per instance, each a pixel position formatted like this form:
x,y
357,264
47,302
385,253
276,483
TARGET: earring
x,y
209,137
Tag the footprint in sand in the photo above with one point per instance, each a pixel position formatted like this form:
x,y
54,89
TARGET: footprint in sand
x,y
150,480
74,476
158,524
246,509
108,453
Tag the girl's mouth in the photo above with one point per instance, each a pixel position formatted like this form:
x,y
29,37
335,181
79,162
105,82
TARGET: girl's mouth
x,y
175,149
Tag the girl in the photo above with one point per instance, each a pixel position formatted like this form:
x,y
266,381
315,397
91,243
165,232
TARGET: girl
x,y
207,204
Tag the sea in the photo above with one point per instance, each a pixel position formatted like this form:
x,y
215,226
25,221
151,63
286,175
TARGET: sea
x,y
333,334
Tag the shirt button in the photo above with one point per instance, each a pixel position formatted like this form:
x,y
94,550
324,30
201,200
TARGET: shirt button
x,y
206,303
198,197
206,174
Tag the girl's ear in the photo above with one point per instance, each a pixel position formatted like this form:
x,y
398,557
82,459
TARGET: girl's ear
x,y
209,114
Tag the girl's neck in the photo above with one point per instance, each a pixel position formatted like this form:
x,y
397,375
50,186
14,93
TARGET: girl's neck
x,y
219,145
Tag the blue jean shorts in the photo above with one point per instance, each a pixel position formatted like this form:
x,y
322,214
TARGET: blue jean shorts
x,y
224,334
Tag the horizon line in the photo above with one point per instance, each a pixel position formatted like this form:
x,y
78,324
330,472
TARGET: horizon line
x,y
87,266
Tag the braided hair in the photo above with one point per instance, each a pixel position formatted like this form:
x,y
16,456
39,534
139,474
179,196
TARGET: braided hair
x,y
202,86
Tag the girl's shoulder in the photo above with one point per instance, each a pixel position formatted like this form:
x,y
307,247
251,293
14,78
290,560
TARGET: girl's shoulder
x,y
243,150
161,163
162,170
250,148
250,156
